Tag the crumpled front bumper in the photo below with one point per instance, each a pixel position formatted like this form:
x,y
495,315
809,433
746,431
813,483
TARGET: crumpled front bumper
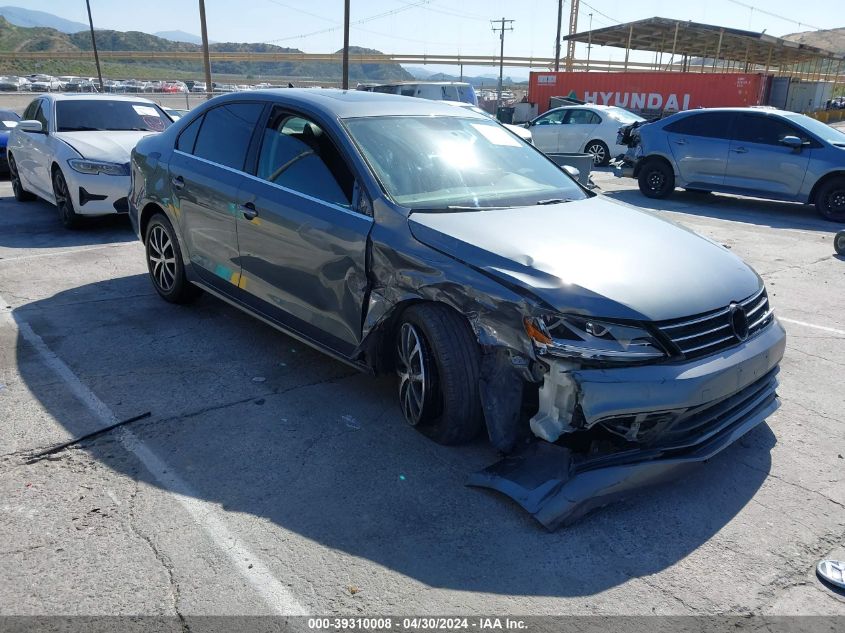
x,y
712,402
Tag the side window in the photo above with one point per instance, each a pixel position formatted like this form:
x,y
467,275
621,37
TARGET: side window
x,y
225,133
706,124
296,154
552,118
581,117
40,115
768,130
29,113
188,138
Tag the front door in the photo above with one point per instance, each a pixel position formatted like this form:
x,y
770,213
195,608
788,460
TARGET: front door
x,y
302,245
206,172
545,131
33,157
759,162
699,143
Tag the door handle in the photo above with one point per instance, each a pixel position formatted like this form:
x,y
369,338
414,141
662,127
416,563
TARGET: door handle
x,y
680,141
248,210
740,150
177,182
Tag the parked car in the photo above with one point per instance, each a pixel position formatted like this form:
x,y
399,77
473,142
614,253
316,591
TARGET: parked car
x,y
8,121
45,83
765,153
520,131
113,86
409,236
73,151
174,87
433,90
64,80
82,84
175,113
199,86
11,83
591,129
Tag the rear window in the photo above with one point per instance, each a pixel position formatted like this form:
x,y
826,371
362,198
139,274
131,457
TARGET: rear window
x,y
86,115
705,124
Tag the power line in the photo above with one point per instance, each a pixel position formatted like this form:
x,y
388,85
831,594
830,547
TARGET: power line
x,y
614,20
774,15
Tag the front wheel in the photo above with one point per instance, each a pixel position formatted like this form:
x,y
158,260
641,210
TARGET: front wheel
x,y
164,262
437,359
839,242
830,200
656,179
64,203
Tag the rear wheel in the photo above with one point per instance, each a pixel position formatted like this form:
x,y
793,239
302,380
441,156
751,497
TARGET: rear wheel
x,y
164,262
21,194
437,359
830,200
656,179
64,203
600,152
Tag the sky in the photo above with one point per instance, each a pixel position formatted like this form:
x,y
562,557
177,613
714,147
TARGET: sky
x,y
433,26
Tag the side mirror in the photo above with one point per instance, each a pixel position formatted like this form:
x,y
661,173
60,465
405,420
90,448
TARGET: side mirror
x,y
572,171
31,126
792,141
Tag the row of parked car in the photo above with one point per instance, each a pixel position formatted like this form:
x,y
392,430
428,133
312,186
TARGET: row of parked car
x,y
407,236
70,83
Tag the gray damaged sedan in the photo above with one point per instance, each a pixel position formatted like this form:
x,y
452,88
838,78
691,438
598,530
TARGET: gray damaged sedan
x,y
598,346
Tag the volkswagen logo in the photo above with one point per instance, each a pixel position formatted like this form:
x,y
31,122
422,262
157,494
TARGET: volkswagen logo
x,y
739,322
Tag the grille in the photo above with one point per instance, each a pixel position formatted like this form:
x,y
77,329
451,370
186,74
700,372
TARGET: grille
x,y
714,331
684,428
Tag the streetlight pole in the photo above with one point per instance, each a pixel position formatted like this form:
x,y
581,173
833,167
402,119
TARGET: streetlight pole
x,y
94,45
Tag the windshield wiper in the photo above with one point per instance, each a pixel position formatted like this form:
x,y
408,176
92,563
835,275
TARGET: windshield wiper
x,y
459,207
126,129
81,128
553,201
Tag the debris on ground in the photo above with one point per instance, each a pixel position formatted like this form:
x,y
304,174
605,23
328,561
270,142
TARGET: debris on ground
x,y
832,572
351,422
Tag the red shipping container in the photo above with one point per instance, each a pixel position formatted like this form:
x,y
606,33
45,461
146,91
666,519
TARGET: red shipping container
x,y
668,91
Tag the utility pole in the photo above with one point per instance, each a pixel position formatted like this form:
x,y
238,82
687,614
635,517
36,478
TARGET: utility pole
x,y
346,45
589,41
501,31
94,45
205,59
573,28
557,39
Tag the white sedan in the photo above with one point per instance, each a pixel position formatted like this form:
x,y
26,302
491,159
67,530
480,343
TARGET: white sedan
x,y
583,128
73,151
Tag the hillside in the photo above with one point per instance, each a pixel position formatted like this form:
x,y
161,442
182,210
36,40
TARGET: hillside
x,y
17,38
29,18
829,39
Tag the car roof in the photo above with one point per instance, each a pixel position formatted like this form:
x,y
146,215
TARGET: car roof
x,y
760,110
347,104
90,96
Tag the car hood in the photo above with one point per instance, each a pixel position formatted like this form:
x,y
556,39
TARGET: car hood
x,y
113,147
594,256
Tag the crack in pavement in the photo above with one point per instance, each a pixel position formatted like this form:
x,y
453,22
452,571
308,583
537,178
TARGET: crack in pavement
x,y
159,556
768,473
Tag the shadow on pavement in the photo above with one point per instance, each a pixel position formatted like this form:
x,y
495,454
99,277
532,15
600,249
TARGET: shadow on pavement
x,y
779,215
259,424
30,225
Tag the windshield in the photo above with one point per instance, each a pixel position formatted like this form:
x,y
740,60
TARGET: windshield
x,y
622,115
431,163
101,115
822,130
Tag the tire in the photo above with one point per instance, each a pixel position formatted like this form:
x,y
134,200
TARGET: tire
x,y
839,243
21,194
437,359
830,199
656,179
164,262
64,203
600,152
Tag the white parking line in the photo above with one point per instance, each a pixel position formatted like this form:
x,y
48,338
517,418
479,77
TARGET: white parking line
x,y
67,251
275,594
823,328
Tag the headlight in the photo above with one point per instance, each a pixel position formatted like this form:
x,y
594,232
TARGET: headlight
x,y
586,338
94,167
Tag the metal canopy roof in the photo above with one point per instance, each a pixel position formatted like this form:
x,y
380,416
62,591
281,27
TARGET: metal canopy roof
x,y
705,41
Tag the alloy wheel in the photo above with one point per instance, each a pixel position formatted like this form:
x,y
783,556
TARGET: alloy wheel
x,y
598,153
162,258
655,181
412,373
62,195
836,201
14,177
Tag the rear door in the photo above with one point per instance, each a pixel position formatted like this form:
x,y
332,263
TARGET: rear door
x,y
545,130
578,127
206,172
759,162
699,143
302,242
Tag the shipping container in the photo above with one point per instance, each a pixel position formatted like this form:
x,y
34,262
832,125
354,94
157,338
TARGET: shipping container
x,y
650,93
